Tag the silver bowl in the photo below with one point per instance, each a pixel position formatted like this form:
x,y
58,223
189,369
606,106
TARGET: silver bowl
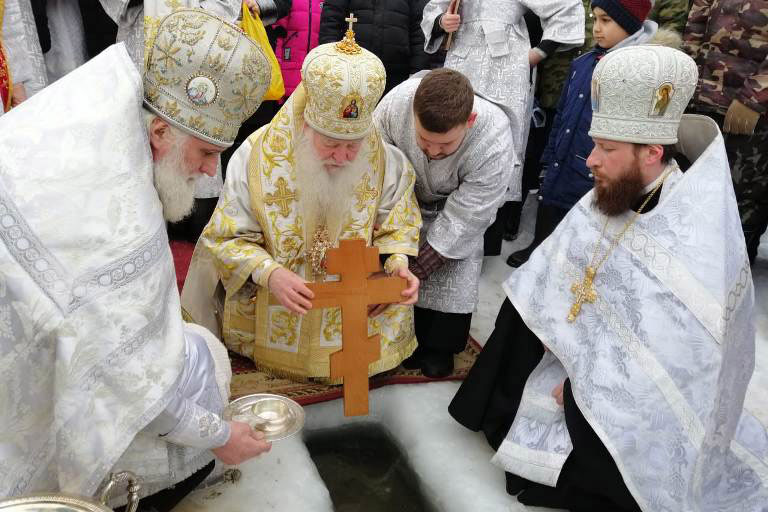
x,y
277,416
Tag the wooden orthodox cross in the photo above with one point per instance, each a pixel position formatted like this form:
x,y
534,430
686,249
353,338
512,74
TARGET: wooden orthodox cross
x,y
353,261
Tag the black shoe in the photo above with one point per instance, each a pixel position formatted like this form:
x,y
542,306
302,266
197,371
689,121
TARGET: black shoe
x,y
415,360
509,237
437,365
518,258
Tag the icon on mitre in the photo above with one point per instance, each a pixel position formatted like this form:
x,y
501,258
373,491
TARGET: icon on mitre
x,y
661,99
351,107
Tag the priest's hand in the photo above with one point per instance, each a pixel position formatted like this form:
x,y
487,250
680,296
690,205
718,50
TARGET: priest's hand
x,y
450,21
291,290
534,58
411,293
253,6
19,95
244,443
557,393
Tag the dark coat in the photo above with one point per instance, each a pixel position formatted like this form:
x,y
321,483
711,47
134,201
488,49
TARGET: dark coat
x,y
390,29
567,177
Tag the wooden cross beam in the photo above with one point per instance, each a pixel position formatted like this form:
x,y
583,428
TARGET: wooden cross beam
x,y
354,262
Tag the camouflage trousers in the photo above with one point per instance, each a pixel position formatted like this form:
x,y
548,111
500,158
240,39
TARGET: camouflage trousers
x,y
748,159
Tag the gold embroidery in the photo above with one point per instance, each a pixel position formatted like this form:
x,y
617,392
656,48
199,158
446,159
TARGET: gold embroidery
x,y
283,198
224,42
168,51
332,329
364,193
172,108
283,331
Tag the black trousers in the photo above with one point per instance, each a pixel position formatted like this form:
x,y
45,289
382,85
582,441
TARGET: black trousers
x,y
441,332
547,219
166,499
488,401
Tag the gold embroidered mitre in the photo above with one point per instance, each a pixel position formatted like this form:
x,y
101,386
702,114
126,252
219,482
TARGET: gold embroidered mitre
x,y
204,75
344,83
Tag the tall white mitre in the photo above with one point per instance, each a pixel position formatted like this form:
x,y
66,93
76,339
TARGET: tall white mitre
x,y
659,363
91,337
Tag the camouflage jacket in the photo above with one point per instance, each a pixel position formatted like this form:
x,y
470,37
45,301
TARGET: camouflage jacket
x,y
670,14
729,40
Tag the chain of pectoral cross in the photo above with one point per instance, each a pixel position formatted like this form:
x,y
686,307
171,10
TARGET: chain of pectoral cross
x,y
584,291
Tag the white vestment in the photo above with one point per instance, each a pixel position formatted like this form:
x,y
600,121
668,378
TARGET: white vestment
x,y
491,49
92,345
68,49
25,57
659,363
458,195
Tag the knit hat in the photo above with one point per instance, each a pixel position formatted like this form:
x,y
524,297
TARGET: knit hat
x,y
629,14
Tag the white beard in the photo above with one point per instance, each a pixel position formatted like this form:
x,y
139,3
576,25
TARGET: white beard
x,y
173,183
325,198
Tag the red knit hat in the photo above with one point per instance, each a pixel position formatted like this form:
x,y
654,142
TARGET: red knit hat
x,y
629,14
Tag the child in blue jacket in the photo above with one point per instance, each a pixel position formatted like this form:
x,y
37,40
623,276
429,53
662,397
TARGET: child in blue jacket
x,y
617,23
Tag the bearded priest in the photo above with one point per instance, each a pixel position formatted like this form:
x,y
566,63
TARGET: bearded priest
x,y
100,373
318,173
616,374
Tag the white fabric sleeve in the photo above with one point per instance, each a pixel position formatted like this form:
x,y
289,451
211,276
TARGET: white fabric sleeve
x,y
25,57
226,9
191,418
562,21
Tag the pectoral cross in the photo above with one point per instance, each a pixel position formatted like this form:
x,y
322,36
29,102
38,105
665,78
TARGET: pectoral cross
x,y
282,198
582,292
351,20
353,261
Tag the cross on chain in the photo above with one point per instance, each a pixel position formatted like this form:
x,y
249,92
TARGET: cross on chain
x,y
351,20
282,198
582,292
353,261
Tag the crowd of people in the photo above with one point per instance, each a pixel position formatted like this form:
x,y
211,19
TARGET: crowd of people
x,y
616,373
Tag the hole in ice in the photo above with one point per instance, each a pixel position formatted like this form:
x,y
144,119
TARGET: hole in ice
x,y
365,471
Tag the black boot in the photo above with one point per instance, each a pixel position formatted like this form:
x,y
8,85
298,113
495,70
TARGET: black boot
x,y
415,360
519,257
437,364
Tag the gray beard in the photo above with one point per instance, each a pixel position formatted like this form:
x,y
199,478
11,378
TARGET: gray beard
x,y
325,199
173,184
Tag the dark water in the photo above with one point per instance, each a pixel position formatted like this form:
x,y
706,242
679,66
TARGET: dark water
x,y
365,471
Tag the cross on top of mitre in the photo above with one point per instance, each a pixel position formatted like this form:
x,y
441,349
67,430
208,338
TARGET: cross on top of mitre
x,y
348,44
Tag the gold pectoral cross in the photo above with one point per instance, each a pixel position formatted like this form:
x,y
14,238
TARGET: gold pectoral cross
x,y
582,292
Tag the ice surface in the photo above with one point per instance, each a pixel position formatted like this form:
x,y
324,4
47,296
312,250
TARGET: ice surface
x,y
452,462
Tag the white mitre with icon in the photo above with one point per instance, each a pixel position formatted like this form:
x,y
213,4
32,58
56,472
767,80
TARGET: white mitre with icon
x,y
639,94
204,75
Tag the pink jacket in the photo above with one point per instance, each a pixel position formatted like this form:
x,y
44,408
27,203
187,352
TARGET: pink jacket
x,y
302,26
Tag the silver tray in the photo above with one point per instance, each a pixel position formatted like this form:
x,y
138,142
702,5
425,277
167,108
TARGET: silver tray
x,y
277,416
